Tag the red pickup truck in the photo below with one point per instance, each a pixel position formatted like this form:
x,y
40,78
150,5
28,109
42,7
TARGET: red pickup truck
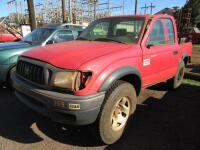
x,y
97,78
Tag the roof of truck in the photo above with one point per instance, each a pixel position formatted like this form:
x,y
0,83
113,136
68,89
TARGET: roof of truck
x,y
144,16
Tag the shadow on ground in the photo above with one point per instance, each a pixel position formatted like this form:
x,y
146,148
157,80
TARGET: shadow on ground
x,y
16,123
167,120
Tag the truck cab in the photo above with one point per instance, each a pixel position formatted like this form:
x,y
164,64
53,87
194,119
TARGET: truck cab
x,y
97,78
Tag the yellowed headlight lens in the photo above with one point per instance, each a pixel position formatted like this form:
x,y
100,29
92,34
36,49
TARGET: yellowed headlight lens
x,y
66,79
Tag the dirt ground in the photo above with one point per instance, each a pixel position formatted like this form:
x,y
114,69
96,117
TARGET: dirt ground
x,y
166,121
194,67
196,55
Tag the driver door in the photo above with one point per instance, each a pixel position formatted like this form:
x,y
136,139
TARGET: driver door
x,y
156,54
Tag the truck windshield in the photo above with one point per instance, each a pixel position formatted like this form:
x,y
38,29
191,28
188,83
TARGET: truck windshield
x,y
121,30
38,35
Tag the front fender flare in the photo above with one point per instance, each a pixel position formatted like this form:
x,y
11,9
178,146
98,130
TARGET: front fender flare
x,y
118,74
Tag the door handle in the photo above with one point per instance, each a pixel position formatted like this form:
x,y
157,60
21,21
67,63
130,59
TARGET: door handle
x,y
175,52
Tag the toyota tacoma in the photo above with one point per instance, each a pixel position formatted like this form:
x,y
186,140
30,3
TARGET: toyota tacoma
x,y
97,78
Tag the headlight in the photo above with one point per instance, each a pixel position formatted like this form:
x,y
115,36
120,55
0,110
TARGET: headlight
x,y
73,80
70,80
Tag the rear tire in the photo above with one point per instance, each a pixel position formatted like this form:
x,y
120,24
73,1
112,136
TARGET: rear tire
x,y
120,102
176,81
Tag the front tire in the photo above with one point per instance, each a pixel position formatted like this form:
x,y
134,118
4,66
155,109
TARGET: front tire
x,y
120,102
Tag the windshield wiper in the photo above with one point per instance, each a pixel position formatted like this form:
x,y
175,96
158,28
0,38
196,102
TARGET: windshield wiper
x,y
108,40
29,42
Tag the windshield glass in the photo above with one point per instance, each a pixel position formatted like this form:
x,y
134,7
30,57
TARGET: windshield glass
x,y
38,35
122,30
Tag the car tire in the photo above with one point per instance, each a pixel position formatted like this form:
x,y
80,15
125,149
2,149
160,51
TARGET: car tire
x,y
176,81
119,104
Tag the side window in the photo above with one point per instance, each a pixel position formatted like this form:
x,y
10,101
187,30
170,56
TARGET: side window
x,y
63,35
170,30
157,34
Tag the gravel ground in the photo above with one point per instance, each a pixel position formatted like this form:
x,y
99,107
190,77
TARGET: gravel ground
x,y
166,121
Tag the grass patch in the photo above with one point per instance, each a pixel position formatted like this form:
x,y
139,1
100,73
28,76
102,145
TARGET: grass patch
x,y
191,82
196,45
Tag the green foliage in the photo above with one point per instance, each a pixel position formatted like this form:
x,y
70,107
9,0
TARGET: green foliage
x,y
195,5
196,45
191,82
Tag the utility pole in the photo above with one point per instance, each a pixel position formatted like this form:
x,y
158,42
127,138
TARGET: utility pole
x,y
70,11
94,10
145,8
31,14
64,12
123,5
17,13
151,7
21,12
95,3
136,7
108,7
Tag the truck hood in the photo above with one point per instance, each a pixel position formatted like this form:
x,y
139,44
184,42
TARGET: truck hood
x,y
71,55
13,45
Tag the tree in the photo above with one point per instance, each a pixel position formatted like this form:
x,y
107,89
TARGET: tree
x,y
195,5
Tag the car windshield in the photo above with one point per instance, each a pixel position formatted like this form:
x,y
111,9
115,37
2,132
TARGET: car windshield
x,y
121,30
38,35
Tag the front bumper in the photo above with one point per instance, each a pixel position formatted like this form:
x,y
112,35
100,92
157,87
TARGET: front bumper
x,y
63,108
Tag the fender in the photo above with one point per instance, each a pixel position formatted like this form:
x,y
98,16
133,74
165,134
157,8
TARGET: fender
x,y
13,59
117,74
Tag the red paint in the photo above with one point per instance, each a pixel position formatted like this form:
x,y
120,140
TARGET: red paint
x,y
103,58
8,38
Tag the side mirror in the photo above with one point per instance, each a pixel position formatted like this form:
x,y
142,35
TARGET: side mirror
x,y
149,46
50,42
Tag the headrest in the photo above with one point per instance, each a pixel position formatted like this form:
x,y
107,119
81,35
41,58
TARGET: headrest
x,y
121,32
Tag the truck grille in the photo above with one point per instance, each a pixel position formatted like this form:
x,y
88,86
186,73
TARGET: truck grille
x,y
31,72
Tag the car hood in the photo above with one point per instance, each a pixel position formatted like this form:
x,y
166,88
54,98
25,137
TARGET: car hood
x,y
13,45
71,55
